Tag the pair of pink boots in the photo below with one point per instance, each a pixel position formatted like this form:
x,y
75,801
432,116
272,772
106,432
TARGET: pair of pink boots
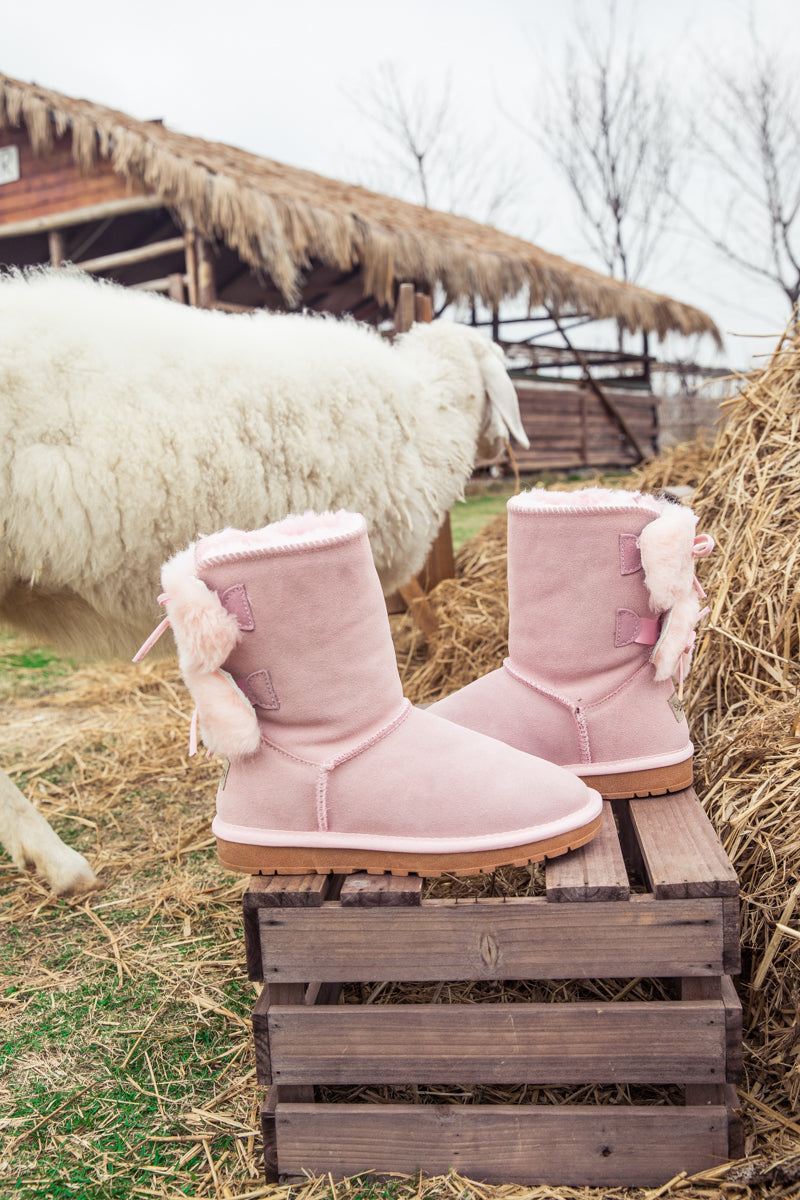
x,y
284,643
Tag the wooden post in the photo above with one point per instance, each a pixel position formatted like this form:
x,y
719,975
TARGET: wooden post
x,y
206,283
191,263
55,239
175,289
584,434
404,309
440,563
423,308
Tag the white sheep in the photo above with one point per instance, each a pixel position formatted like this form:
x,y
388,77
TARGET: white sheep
x,y
130,424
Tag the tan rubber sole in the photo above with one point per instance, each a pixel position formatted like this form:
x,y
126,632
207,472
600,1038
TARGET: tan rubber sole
x,y
281,860
630,784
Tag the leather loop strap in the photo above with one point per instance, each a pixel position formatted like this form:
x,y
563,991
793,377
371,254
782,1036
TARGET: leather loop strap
x,y
630,628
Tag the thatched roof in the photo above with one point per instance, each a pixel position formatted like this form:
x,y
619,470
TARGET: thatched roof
x,y
281,220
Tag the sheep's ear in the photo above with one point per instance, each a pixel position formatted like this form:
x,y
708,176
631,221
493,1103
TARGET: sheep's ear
x,y
501,393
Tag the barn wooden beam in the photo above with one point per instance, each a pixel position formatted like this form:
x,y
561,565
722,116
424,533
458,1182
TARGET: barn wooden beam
x,y
80,216
605,400
228,306
321,297
125,258
169,284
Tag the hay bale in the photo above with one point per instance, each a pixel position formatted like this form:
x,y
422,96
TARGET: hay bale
x,y
742,696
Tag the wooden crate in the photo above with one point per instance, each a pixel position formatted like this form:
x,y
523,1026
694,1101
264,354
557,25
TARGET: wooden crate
x,y
655,897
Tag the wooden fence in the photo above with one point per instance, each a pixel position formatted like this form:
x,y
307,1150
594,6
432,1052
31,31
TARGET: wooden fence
x,y
570,426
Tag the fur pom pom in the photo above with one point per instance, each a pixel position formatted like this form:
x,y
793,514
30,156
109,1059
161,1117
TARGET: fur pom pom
x,y
666,547
205,632
228,721
677,637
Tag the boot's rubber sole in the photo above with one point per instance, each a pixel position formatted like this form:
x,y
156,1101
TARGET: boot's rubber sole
x,y
283,860
657,781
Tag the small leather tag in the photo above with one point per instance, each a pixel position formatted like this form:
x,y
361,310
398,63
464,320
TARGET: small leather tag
x,y
259,690
676,706
224,775
236,600
630,556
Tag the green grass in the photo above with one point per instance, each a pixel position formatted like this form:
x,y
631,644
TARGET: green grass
x,y
468,517
486,498
26,671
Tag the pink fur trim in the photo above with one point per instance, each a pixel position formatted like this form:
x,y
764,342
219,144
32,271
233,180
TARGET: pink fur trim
x,y
228,722
205,635
539,500
205,632
310,530
677,637
666,547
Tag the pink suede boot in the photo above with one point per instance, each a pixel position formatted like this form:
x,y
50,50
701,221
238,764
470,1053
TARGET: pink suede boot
x,y
285,645
602,608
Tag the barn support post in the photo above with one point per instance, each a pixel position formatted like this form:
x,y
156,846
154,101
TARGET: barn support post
x,y
191,261
440,563
175,288
206,282
584,417
55,242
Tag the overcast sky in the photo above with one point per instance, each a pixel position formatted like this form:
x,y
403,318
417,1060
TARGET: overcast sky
x,y
276,76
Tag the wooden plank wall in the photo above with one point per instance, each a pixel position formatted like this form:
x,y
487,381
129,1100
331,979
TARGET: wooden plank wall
x,y
52,185
569,428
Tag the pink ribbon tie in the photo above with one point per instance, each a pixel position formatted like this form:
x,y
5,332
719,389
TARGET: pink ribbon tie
x,y
147,645
702,546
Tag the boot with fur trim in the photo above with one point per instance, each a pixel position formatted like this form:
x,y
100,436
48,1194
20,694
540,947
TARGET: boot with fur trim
x,y
603,603
284,642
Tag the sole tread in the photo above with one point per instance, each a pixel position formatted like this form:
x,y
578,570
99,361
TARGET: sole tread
x,y
633,785
273,860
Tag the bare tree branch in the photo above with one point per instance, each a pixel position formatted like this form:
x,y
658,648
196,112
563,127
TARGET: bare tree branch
x,y
750,138
608,126
425,153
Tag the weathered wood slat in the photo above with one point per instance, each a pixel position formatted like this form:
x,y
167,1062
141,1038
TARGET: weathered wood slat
x,y
594,872
381,891
283,993
571,1043
273,993
528,1144
722,988
486,939
276,891
680,849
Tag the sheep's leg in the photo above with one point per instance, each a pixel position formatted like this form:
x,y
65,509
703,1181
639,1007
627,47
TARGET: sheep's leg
x,y
32,843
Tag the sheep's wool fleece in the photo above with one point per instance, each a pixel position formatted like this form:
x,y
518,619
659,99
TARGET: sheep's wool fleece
x,y
130,425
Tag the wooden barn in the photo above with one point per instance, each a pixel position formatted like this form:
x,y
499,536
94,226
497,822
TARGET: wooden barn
x,y
212,225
